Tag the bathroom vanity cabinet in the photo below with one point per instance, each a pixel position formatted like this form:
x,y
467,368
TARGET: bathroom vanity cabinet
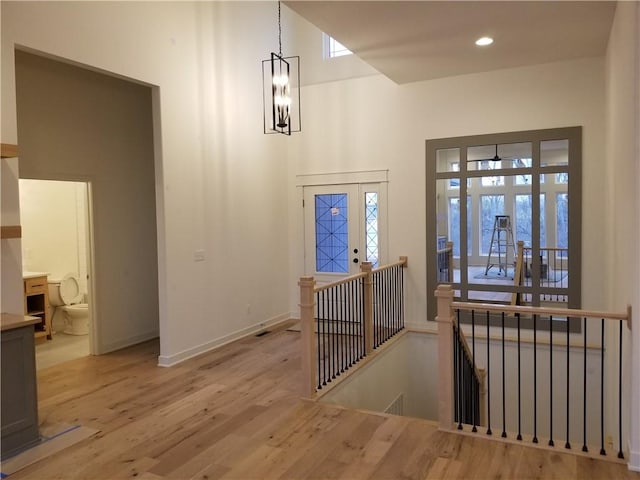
x,y
36,302
19,407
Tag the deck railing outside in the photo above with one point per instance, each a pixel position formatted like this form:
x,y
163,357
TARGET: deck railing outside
x,y
445,263
555,383
343,321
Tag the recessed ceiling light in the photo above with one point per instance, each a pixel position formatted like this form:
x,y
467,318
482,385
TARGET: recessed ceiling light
x,y
484,41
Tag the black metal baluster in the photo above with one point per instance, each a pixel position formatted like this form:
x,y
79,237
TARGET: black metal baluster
x,y
488,380
504,406
567,444
535,379
336,328
519,437
620,454
330,334
584,388
343,347
399,296
474,392
551,444
384,304
331,325
602,450
363,328
354,319
361,325
396,303
461,373
380,310
350,324
374,311
390,303
385,307
402,297
456,377
318,352
324,340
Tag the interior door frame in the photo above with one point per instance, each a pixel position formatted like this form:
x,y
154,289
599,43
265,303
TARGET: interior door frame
x,y
87,181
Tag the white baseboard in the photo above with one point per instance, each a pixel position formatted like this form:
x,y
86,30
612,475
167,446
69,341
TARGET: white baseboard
x,y
120,344
171,360
634,461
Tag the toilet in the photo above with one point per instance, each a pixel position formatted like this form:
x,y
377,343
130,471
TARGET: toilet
x,y
65,295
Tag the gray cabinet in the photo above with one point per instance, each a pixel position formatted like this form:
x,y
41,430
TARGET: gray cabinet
x,y
19,407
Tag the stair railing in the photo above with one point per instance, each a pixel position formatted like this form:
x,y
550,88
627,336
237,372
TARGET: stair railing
x,y
344,321
565,379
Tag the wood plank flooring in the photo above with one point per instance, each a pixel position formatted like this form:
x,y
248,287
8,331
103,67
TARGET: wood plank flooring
x,y
235,413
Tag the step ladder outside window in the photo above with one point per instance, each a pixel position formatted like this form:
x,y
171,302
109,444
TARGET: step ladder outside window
x,y
502,252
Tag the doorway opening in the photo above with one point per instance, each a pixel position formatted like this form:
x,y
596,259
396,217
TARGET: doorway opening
x,y
56,245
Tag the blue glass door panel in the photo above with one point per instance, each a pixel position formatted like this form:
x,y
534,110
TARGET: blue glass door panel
x,y
332,233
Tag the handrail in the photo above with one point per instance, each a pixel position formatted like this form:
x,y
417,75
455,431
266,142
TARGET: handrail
x,y
339,282
401,262
564,312
551,249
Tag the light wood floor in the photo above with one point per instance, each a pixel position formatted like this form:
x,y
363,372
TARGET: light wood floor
x,y
234,413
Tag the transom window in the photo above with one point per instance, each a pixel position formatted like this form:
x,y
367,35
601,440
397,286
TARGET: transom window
x,y
522,192
332,48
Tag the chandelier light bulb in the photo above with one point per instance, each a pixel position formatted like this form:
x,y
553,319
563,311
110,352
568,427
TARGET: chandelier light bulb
x,y
484,41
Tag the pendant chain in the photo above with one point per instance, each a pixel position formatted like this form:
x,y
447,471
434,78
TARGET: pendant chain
x,y
279,31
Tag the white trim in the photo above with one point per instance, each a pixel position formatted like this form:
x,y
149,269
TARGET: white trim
x,y
171,360
339,178
634,461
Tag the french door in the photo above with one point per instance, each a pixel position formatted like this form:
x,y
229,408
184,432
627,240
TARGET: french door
x,y
342,229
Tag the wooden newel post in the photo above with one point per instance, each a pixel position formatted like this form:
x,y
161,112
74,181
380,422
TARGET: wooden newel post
x,y
307,334
366,267
445,319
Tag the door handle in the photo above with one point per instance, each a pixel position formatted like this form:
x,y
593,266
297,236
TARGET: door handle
x,y
355,260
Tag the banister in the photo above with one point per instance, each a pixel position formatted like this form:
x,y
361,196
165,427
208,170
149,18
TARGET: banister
x,y
564,312
344,321
550,249
339,282
402,262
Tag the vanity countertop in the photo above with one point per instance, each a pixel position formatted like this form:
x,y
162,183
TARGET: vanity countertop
x,y
26,275
9,321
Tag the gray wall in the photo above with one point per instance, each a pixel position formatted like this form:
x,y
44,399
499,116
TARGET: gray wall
x,y
75,124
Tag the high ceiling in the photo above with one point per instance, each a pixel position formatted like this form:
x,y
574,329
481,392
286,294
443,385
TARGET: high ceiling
x,y
421,40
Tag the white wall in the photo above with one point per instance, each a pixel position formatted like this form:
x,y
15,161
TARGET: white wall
x,y
378,383
370,123
219,183
54,228
392,372
623,202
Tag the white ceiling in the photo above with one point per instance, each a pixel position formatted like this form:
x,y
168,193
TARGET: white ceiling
x,y
421,40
